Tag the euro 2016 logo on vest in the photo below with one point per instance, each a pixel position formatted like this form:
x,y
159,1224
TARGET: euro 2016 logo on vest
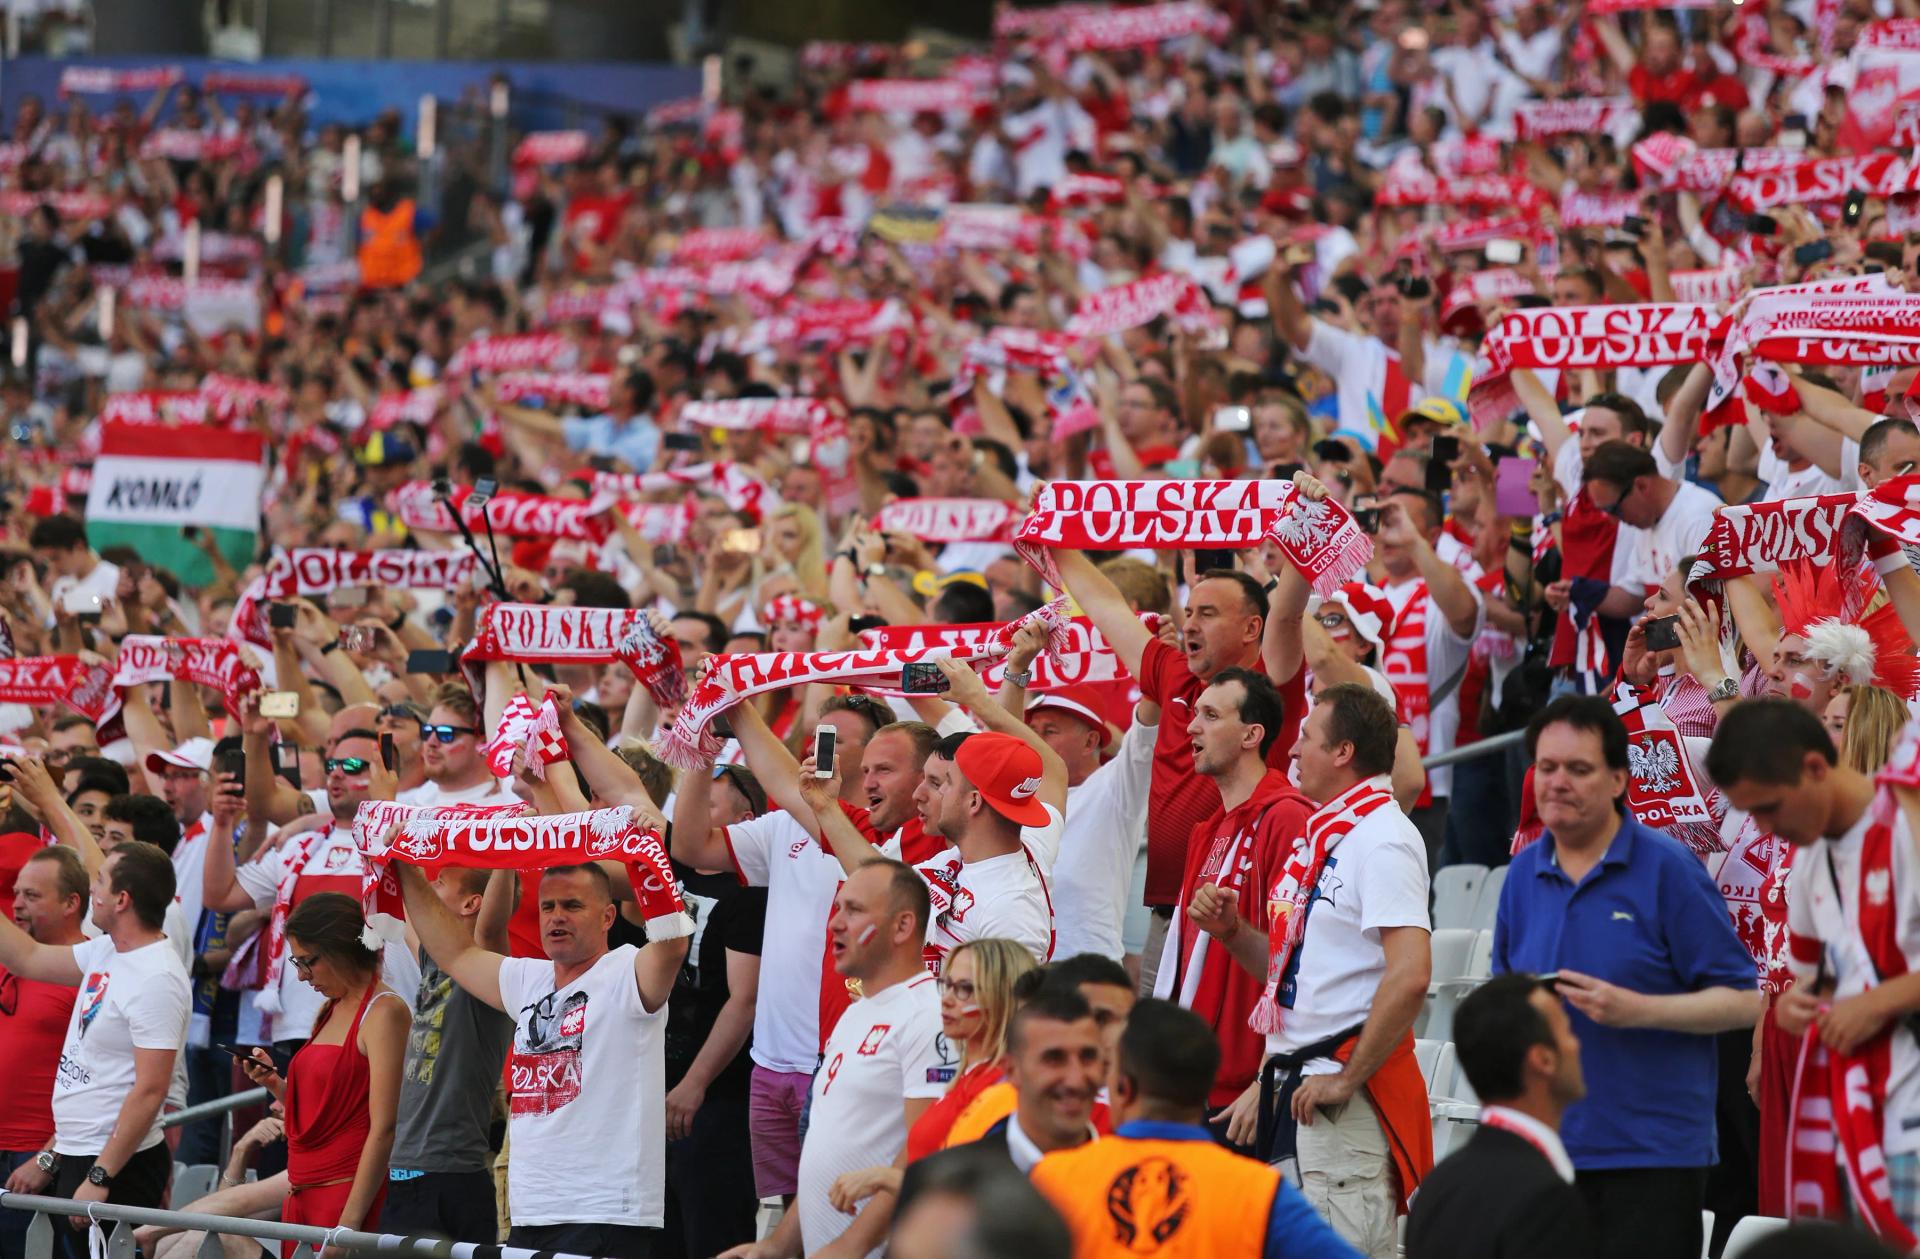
x,y
1147,1203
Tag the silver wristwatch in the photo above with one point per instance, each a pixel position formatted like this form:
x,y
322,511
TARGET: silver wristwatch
x,y
1023,678
47,1161
1724,689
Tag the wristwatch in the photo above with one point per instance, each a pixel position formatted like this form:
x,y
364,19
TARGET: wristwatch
x,y
1724,689
47,1161
872,571
97,1175
1022,678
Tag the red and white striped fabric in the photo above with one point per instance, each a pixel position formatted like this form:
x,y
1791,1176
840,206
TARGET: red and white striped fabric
x,y
550,148
1590,116
582,389
949,519
528,734
773,415
1138,302
1146,24
912,96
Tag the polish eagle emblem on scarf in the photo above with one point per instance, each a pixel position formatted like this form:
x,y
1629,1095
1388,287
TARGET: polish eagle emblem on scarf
x,y
1655,764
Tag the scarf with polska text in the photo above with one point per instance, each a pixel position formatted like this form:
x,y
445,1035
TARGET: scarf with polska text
x,y
38,681
539,351
593,390
1123,306
307,571
948,519
97,79
418,505
216,663
692,744
541,633
511,837
733,482
1825,330
793,416
1588,115
1663,789
1103,28
1760,537
1320,538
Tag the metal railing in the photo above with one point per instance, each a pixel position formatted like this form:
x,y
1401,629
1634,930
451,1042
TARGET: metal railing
x,y
1472,751
218,1107
54,1212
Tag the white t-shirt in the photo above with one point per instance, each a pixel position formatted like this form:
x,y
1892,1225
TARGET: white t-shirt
x,y
775,852
189,858
587,1083
1105,827
1642,558
1783,482
885,1049
1375,878
1004,896
1812,913
429,795
1357,366
334,865
133,1000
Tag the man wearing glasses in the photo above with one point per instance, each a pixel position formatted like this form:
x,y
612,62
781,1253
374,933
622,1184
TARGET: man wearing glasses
x,y
450,742
323,860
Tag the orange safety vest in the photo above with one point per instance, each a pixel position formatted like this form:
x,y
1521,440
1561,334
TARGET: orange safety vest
x,y
1127,1197
389,252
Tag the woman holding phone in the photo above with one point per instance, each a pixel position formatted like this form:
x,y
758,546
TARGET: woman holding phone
x,y
342,1088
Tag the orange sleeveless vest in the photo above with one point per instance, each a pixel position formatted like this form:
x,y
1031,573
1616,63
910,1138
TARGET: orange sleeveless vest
x,y
1179,1199
389,253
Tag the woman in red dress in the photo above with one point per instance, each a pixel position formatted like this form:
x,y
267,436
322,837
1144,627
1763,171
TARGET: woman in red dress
x,y
342,1088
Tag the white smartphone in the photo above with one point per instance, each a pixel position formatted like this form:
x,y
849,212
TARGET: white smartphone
x,y
823,744
1504,252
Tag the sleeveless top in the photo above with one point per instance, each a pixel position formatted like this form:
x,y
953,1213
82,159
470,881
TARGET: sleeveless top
x,y
326,1104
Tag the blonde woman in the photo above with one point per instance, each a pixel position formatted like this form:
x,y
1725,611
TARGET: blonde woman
x,y
1870,719
790,560
976,1004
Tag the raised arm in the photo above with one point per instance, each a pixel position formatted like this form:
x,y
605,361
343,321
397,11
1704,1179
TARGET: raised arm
x,y
35,789
695,841
1451,593
822,796
26,957
446,941
1833,409
1105,606
1541,409
1682,422
967,690
656,966
1290,319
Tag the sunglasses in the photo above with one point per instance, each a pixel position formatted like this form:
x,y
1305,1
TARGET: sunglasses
x,y
348,765
400,712
446,734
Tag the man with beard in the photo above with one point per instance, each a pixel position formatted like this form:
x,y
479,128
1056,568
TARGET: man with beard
x,y
586,1071
1160,1175
800,996
450,742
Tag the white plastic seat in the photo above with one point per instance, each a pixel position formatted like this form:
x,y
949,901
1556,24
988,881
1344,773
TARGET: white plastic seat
x,y
1486,907
1452,949
1706,1233
1445,1067
1456,892
1747,1230
1480,960
1426,1053
191,1183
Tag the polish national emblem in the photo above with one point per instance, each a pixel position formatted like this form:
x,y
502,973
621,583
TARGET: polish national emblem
x,y
1655,764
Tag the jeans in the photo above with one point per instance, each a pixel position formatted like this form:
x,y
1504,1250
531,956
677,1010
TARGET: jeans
x,y
209,1076
13,1224
1480,818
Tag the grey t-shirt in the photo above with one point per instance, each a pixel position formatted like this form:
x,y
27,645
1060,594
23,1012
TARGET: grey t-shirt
x,y
455,1054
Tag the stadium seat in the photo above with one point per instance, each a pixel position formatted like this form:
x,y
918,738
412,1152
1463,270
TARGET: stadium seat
x,y
191,1183
1445,1067
1452,951
1456,891
1486,907
1480,961
1426,1053
1452,962
1747,1230
1706,1233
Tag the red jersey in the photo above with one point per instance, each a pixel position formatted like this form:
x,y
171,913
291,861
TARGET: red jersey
x,y
33,1027
1182,799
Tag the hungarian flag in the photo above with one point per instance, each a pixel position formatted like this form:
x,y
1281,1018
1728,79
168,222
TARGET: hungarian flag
x,y
150,481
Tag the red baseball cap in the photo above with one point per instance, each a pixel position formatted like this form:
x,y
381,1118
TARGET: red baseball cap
x,y
1007,772
1077,701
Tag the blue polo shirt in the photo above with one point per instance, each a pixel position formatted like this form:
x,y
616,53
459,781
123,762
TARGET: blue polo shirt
x,y
1647,918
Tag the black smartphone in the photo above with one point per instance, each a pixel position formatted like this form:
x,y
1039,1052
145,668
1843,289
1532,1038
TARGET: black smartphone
x,y
190,532
1328,450
6,771
1662,633
1415,287
1633,225
923,677
1207,561
280,1058
281,615
1368,518
1851,208
861,624
1813,251
429,661
286,762
681,441
825,738
389,755
1439,475
1763,225
1445,449
233,762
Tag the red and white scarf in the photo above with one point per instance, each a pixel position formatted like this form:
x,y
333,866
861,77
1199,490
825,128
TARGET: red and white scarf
x,y
97,79
419,506
948,519
1293,891
538,633
42,680
543,351
1085,658
209,662
774,415
1821,179
550,148
792,610
1403,661
1320,538
1646,334
1587,116
241,83
307,571
691,744
733,482
1838,1101
302,846
526,730
1142,301
719,244
1092,28
1406,185
912,96
583,389
1663,791
509,837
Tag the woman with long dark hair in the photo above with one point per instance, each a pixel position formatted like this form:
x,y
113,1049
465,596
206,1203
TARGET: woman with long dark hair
x,y
342,1088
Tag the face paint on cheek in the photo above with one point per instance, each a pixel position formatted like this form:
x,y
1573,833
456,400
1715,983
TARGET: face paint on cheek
x,y
1800,686
968,1010
868,933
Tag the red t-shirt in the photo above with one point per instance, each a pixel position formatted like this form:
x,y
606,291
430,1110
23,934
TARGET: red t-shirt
x,y
1255,839
1182,799
33,1027
1680,86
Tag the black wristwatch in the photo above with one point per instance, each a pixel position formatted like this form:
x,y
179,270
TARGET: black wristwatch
x,y
97,1175
47,1161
